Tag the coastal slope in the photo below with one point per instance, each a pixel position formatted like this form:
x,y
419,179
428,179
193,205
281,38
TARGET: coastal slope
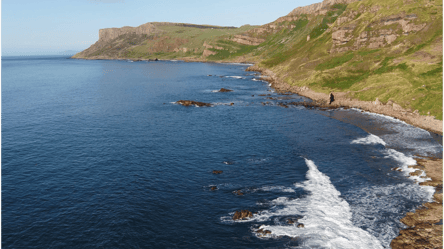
x,y
384,55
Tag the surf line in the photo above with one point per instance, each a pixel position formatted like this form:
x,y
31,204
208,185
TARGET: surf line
x,y
327,217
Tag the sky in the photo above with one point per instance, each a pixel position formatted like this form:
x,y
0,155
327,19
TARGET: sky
x,y
41,27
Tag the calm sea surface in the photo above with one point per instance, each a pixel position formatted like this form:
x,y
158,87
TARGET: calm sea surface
x,y
96,154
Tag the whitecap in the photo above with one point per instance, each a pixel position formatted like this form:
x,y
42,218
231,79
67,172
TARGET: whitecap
x,y
275,189
404,163
327,217
235,77
370,139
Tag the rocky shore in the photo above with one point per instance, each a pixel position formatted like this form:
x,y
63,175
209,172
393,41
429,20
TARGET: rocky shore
x,y
425,224
341,100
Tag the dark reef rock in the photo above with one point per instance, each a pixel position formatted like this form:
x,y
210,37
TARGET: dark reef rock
x,y
238,192
300,225
242,215
191,103
224,90
217,172
291,221
264,232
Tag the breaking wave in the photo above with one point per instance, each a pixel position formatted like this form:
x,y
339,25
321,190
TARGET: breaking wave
x,y
371,139
326,216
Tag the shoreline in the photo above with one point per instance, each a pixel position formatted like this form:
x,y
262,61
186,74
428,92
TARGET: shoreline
x,y
390,109
425,226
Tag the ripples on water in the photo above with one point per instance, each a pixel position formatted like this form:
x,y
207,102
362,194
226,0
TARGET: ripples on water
x,y
95,154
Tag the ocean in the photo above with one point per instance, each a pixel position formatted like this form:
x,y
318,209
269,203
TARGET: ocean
x,y
97,154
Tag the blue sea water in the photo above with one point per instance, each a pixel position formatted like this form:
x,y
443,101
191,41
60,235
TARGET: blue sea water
x,y
97,154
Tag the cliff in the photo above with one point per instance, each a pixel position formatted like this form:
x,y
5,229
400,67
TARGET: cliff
x,y
369,50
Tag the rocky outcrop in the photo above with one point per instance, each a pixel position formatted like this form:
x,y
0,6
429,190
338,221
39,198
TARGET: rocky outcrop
x,y
217,172
192,103
380,34
242,215
207,53
263,232
246,40
223,90
112,33
318,8
206,45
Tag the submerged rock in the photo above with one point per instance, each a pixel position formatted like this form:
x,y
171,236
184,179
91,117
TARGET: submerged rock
x,y
213,188
191,103
291,221
300,225
224,90
264,232
217,172
242,215
238,192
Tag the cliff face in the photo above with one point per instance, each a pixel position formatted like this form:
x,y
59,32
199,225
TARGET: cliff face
x,y
159,39
370,49
318,8
109,34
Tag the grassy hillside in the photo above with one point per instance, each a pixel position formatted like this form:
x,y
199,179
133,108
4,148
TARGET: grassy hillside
x,y
390,50
406,68
168,41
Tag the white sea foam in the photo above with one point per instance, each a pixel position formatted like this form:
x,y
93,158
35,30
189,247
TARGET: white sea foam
x,y
405,136
372,205
404,163
235,77
327,217
370,139
275,189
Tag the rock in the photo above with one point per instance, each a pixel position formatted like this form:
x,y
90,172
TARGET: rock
x,y
213,188
377,102
242,215
231,103
332,98
246,40
308,37
224,90
217,172
300,225
262,231
156,59
191,103
207,52
238,192
291,221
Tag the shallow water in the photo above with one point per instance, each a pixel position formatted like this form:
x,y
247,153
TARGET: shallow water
x,y
96,154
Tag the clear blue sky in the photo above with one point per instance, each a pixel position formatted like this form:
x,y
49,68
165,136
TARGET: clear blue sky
x,y
53,26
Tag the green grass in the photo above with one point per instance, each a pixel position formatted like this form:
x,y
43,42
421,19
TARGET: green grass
x,y
335,62
232,50
343,83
